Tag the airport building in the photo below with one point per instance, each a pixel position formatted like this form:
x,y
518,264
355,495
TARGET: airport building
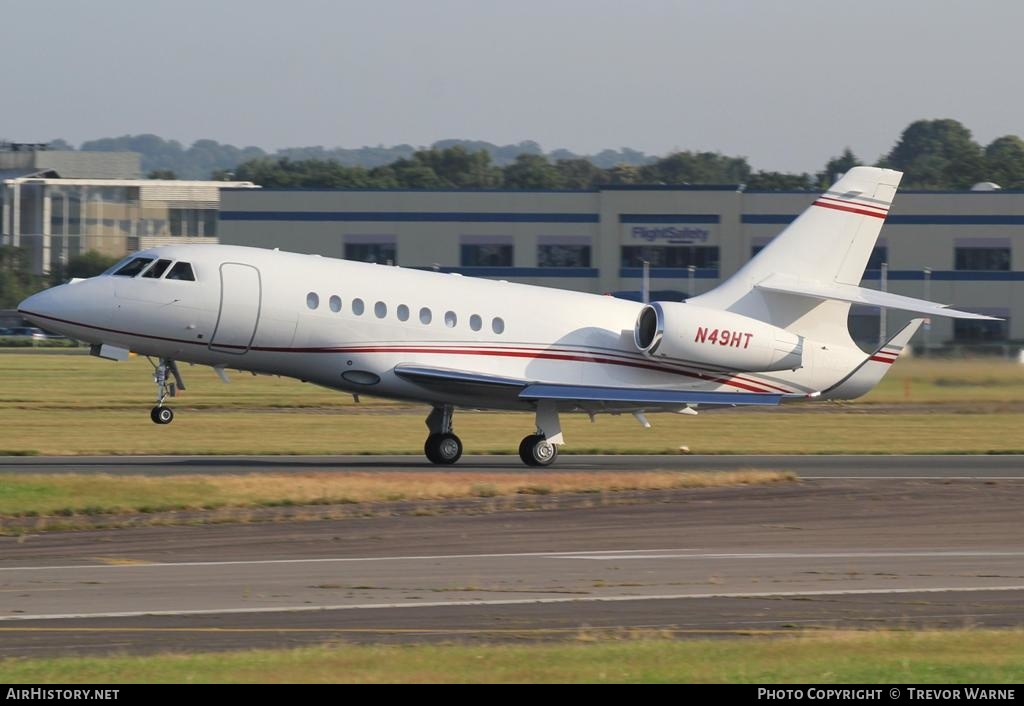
x,y
59,204
962,248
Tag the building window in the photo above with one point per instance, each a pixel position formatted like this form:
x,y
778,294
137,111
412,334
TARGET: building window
x,y
563,251
703,256
980,331
982,258
382,253
486,255
563,256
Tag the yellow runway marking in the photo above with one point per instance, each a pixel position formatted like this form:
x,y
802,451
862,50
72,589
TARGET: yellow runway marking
x,y
119,561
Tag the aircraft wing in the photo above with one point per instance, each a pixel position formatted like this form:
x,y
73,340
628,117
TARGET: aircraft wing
x,y
584,396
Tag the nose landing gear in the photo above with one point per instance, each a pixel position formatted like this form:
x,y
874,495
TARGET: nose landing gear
x,y
164,389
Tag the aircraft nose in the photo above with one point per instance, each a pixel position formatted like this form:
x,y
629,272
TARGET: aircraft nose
x,y
49,309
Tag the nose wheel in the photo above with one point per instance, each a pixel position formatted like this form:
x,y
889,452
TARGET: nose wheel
x,y
161,415
168,382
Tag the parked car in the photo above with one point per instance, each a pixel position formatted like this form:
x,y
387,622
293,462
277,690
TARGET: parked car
x,y
36,334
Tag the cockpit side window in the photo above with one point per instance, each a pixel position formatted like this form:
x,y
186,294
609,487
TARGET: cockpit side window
x,y
182,271
156,269
134,267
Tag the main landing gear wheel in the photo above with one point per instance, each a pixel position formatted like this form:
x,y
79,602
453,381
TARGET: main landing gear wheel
x,y
161,415
443,449
536,450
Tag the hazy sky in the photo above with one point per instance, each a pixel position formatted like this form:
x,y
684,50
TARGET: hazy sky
x,y
786,83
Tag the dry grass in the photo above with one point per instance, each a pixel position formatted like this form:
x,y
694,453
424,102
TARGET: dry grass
x,y
75,494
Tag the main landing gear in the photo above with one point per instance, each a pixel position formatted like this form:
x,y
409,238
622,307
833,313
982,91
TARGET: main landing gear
x,y
540,449
442,446
164,389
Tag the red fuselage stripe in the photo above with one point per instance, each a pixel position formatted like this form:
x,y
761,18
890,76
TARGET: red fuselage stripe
x,y
734,382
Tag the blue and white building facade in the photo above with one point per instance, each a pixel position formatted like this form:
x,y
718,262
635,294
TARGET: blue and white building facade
x,y
965,248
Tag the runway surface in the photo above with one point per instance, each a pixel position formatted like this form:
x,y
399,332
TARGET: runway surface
x,y
855,466
824,553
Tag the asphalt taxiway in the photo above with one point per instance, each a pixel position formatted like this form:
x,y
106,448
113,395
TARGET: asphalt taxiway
x,y
819,553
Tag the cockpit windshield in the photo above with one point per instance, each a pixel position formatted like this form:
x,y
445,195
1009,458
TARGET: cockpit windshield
x,y
182,271
157,269
134,267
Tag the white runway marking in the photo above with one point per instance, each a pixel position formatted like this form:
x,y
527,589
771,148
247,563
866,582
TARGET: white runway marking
x,y
510,602
600,555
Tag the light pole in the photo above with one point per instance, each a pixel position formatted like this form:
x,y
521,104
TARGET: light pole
x,y
690,271
928,320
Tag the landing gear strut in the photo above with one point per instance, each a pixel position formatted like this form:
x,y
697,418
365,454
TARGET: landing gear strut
x,y
164,389
442,446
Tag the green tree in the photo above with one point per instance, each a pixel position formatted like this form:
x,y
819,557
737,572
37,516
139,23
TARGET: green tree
x,y
697,168
580,173
532,171
16,278
458,168
836,166
778,181
89,264
162,174
1004,162
937,154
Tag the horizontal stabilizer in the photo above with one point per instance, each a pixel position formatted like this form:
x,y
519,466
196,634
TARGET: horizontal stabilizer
x,y
861,295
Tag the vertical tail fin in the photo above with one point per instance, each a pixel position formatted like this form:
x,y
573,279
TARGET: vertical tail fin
x,y
829,243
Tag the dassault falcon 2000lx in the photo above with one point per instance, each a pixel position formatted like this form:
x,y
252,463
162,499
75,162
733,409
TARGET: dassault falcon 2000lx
x,y
774,332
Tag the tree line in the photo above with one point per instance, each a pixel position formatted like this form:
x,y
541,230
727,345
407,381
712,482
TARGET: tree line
x,y
933,154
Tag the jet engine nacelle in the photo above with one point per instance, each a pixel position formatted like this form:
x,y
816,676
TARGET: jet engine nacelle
x,y
688,333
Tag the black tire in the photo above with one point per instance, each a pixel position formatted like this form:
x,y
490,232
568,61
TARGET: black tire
x,y
161,415
535,450
443,449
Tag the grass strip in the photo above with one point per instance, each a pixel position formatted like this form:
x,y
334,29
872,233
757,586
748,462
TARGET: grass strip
x,y
834,657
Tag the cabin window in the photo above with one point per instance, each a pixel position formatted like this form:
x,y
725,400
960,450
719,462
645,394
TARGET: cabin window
x,y
335,303
157,269
425,316
181,271
134,267
312,300
498,325
380,310
450,319
358,307
402,312
475,322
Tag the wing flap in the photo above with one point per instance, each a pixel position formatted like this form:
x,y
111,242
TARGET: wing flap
x,y
641,395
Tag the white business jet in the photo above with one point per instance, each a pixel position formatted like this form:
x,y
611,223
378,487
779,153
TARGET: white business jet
x,y
775,331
